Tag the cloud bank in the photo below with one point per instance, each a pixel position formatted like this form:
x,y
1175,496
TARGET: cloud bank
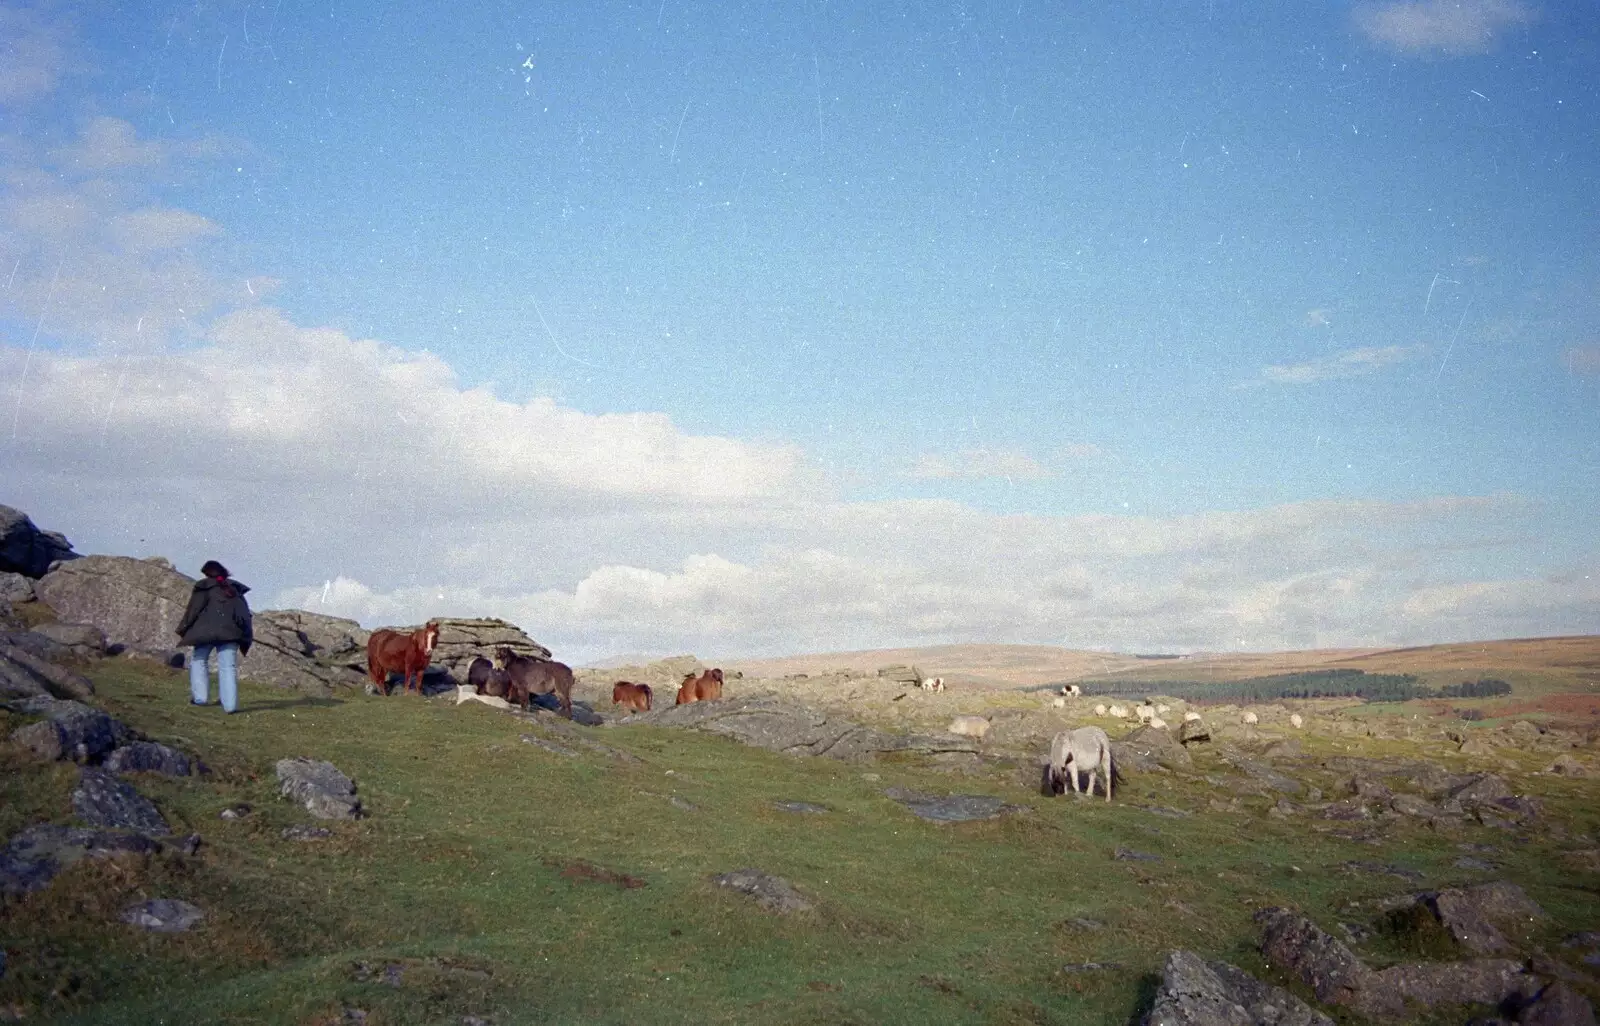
x,y
1447,27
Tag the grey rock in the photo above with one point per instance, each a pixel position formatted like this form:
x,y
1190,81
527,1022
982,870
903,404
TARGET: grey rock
x,y
780,726
1480,789
306,652
1154,743
28,674
25,549
33,857
1197,992
772,893
101,800
1476,915
149,757
71,730
15,588
1129,855
803,807
306,832
1484,981
319,787
163,915
1557,1005
81,639
954,808
1265,774
135,602
1321,961
1193,732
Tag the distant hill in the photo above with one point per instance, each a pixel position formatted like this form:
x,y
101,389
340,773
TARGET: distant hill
x,y
1024,665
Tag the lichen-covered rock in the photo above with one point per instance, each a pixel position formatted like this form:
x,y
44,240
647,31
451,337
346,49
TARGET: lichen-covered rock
x,y
1154,743
306,652
772,893
1476,915
79,639
71,730
26,673
33,857
163,915
136,602
1197,992
102,800
1321,961
15,588
149,757
319,787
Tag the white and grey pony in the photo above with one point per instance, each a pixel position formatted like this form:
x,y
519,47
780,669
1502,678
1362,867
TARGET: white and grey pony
x,y
1084,749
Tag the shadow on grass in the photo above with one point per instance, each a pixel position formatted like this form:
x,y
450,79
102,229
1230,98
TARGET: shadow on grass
x,y
304,702
1149,983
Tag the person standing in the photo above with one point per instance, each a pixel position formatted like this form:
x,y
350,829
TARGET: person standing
x,y
218,619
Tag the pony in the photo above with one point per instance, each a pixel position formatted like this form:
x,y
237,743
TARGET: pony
x,y
705,688
527,677
633,696
1086,748
485,678
933,684
390,651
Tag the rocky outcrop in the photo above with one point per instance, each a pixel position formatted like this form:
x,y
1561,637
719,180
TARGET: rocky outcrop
x,y
33,857
24,675
951,808
70,730
150,757
15,588
137,603
320,787
1198,992
463,640
779,726
163,915
26,550
306,652
1338,977
102,800
1153,744
1475,916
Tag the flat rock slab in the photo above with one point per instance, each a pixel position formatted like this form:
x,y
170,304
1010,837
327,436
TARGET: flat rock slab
x,y
305,832
776,725
807,807
772,893
149,757
101,800
32,858
320,787
954,808
1197,992
163,915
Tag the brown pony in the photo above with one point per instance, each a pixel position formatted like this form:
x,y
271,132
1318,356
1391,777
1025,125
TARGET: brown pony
x,y
487,679
529,677
391,651
633,696
705,688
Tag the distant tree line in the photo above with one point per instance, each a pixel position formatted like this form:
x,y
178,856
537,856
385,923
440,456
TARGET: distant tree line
x,y
1341,683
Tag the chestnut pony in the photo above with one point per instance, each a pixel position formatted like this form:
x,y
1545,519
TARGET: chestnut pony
x,y
705,688
632,696
393,652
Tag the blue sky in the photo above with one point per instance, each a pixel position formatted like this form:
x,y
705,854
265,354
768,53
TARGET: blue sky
x,y
697,291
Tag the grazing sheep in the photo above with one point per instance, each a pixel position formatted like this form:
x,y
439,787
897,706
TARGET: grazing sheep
x,y
1156,721
1295,721
1100,709
1058,703
1119,712
1191,717
969,726
1250,718
1163,709
1086,748
1072,690
1145,712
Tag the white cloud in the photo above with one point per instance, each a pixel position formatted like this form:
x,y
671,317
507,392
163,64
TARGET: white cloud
x,y
1453,27
973,464
1350,363
34,54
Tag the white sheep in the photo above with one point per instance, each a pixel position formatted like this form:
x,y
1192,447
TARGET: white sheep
x,y
1163,709
1295,721
1119,711
1250,718
1100,709
969,726
1156,721
1058,703
1191,717
1146,712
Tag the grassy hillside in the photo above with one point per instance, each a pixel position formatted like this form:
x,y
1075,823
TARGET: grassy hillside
x,y
492,879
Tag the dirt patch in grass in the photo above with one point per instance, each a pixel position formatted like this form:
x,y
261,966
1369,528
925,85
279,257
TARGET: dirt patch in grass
x,y
588,872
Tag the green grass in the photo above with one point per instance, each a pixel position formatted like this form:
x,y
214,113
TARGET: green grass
x,y
456,878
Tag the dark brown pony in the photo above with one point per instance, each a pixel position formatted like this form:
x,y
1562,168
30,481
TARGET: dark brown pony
x,y
528,677
487,679
705,688
633,696
393,652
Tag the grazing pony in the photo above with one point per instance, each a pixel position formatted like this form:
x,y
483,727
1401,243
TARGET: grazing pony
x,y
484,678
1086,748
527,677
633,696
933,684
705,688
408,654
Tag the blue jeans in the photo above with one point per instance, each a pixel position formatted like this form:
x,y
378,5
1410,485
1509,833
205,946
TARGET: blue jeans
x,y
227,675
